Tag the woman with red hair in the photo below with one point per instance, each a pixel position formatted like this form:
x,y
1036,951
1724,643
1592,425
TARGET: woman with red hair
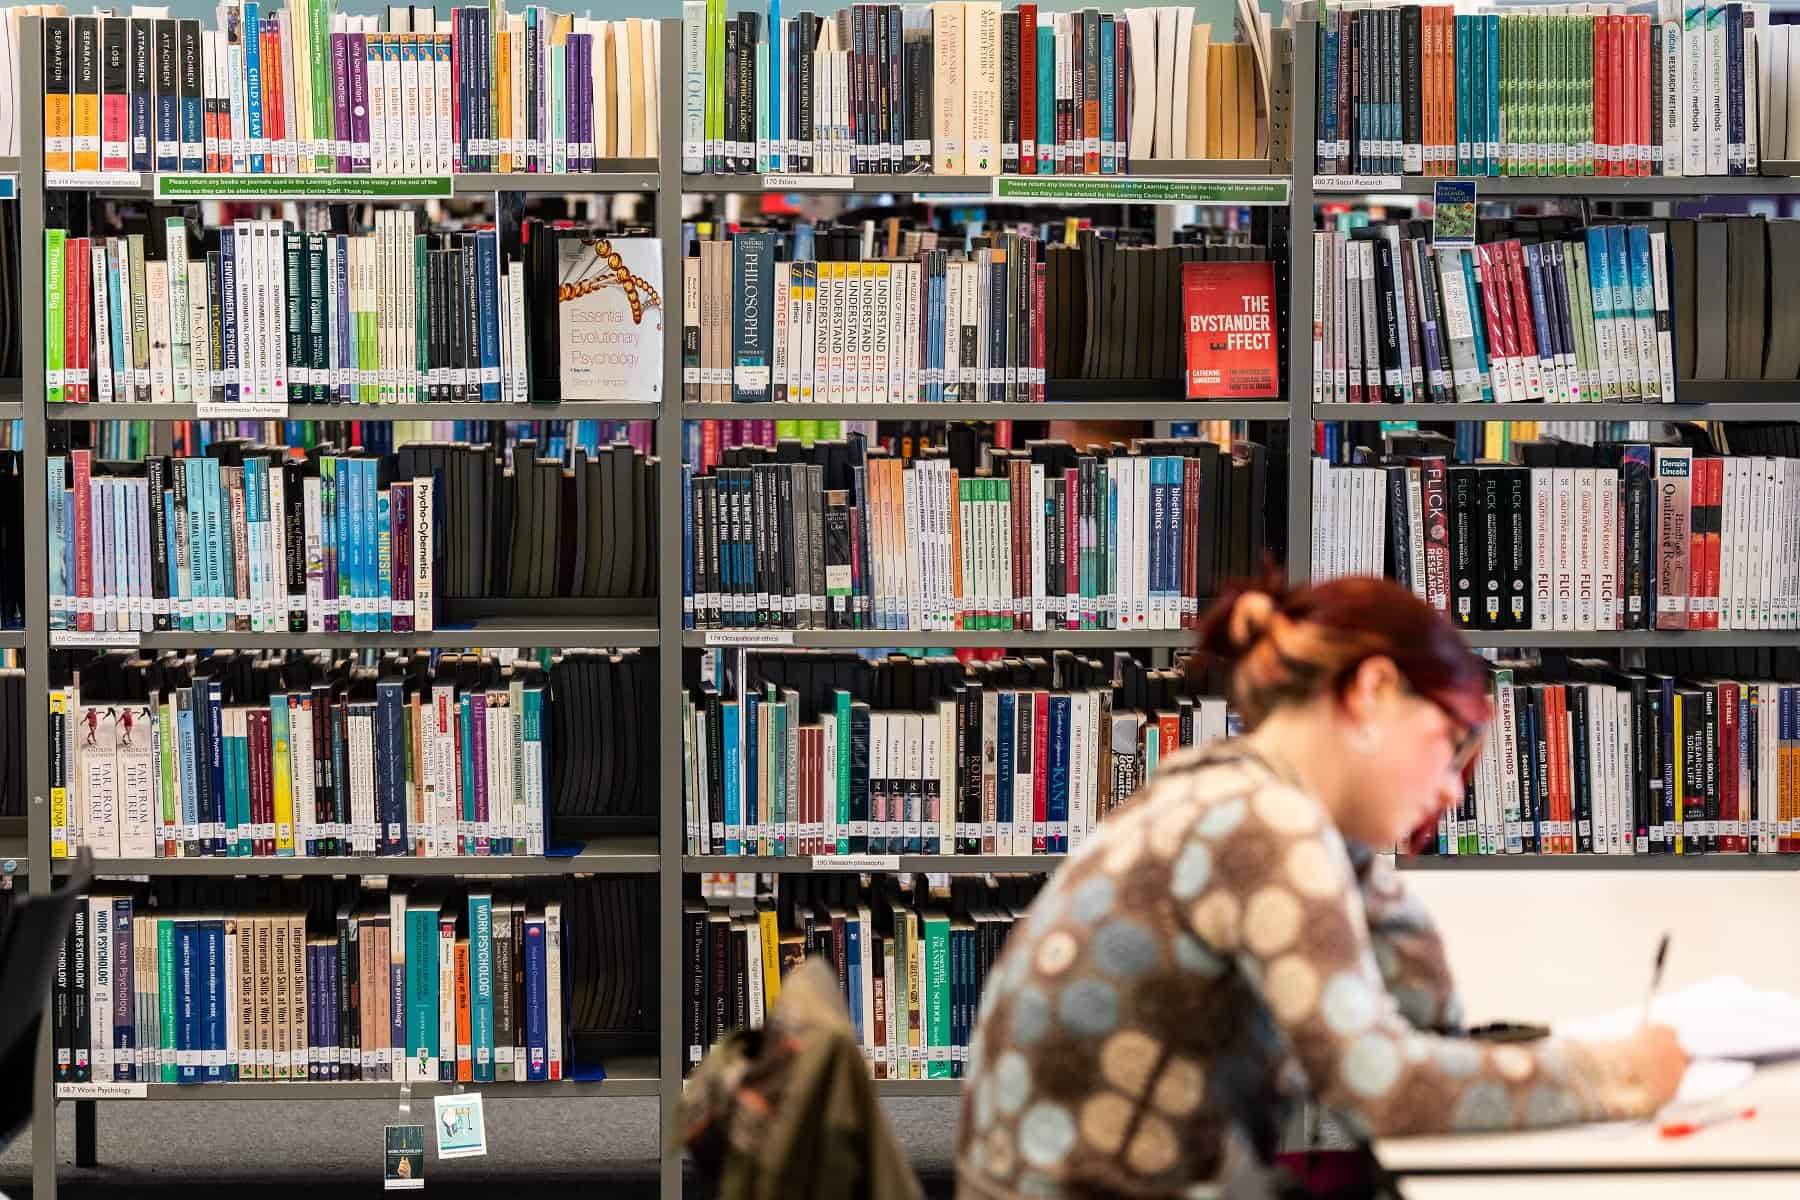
x,y
1228,944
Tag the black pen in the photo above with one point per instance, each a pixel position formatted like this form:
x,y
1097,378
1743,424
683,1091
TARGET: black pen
x,y
1662,953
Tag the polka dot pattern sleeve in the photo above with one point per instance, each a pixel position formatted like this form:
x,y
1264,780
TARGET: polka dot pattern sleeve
x,y
1283,902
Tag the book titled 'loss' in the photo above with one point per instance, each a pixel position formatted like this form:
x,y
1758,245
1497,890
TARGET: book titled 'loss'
x,y
1228,310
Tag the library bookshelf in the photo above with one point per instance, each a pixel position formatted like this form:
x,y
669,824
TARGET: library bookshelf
x,y
659,1076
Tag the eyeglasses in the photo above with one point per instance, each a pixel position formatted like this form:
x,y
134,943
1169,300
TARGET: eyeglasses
x,y
1465,739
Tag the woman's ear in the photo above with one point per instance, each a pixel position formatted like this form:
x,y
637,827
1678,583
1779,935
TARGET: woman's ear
x,y
1371,685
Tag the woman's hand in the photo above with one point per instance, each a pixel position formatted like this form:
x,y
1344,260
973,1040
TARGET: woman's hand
x,y
1655,1059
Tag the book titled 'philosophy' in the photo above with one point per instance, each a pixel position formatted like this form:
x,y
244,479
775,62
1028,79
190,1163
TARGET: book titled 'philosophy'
x,y
1228,310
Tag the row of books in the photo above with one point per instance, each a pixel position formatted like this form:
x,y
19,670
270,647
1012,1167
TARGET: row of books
x,y
1664,89
13,755
515,524
1584,757
1734,321
836,315
910,962
1040,538
963,87
1658,537
237,756
270,545
1559,314
817,754
409,987
267,314
301,88
12,539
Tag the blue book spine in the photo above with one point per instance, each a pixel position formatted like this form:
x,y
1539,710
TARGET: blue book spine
x,y
187,1002
115,331
396,972
465,719
384,561
211,529
329,988
1109,162
775,107
1736,140
1464,142
1178,545
1618,273
734,759
349,494
1472,285
1477,69
1326,150
1056,799
370,550
124,1007
56,468
687,546
487,265
1046,100
481,985
187,758
1544,330
536,1007
253,86
1643,297
68,523
780,785
237,831
212,1013
315,1009
853,951
215,768
1005,723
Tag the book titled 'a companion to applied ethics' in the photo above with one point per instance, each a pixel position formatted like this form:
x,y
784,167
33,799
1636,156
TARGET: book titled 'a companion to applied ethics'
x,y
1228,310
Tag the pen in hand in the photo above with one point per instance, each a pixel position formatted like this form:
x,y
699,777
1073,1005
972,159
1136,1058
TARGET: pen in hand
x,y
1656,971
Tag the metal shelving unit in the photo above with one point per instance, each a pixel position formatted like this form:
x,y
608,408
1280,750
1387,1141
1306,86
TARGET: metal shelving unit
x,y
948,864
1556,187
1601,862
660,1075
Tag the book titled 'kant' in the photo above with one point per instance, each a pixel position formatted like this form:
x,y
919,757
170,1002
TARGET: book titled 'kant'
x,y
1228,310
610,311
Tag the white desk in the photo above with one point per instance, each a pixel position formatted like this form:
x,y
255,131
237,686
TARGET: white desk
x,y
1685,1185
1770,1141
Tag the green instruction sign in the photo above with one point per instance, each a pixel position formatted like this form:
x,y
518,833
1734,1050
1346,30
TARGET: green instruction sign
x,y
1131,190
302,187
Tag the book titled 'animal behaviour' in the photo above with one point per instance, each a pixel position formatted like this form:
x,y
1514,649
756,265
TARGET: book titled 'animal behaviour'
x,y
1228,310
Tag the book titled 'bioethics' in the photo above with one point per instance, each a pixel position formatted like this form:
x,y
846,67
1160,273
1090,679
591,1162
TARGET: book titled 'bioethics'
x,y
1228,310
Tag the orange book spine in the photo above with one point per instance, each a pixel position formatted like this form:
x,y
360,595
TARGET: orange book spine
x,y
503,99
465,1058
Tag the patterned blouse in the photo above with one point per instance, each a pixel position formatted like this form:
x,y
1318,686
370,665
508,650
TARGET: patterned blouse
x,y
1218,928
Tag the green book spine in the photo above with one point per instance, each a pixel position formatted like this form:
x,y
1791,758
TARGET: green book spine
x,y
1575,264
165,988
787,429
1001,487
481,985
841,714
778,809
54,332
318,37
422,313
937,994
422,994
715,83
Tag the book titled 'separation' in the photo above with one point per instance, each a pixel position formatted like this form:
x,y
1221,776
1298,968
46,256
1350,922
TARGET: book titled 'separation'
x,y
610,313
1228,311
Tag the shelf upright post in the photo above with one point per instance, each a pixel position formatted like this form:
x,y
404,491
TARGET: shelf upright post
x,y
1300,302
37,582
670,825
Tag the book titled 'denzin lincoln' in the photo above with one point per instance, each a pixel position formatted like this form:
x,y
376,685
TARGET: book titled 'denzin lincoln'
x,y
1228,310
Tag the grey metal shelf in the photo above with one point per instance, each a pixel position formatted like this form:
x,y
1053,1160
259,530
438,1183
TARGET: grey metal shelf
x,y
828,184
918,1087
1123,409
13,639
1601,862
1702,400
618,175
509,633
946,864
568,410
1623,187
1071,639
1666,639
635,1077
621,856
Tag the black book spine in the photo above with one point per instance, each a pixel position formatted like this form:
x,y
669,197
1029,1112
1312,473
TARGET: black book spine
x,y
1643,738
1009,92
694,931
61,1009
763,552
746,92
1691,828
471,315
1399,565
318,354
295,318
80,1025
969,841
1541,736
1516,598
879,88
1491,549
894,71
1388,315
1411,90
859,778
156,472
802,66
738,982
732,162
1465,556
1523,758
